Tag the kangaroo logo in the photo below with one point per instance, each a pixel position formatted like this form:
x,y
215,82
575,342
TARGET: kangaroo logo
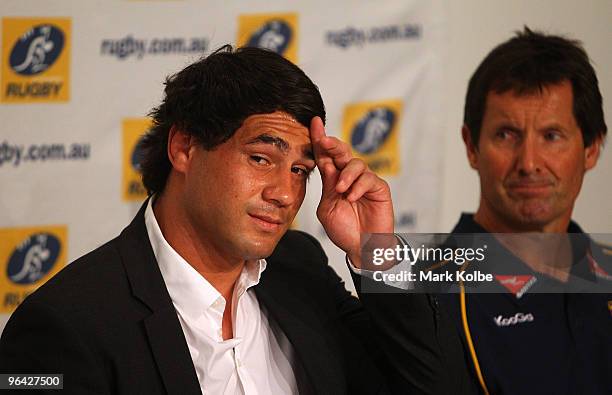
x,y
33,258
372,130
36,50
275,35
137,155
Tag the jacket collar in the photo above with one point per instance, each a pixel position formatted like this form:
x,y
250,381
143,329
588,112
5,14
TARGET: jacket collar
x,y
302,323
467,224
162,327
581,247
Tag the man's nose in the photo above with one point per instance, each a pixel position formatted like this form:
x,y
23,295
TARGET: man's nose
x,y
281,189
528,159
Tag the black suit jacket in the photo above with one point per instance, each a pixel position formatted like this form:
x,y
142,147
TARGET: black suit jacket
x,y
108,324
424,352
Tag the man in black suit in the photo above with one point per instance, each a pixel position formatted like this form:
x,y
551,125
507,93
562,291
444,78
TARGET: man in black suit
x,y
183,301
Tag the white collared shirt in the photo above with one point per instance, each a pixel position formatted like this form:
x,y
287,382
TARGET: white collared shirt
x,y
258,359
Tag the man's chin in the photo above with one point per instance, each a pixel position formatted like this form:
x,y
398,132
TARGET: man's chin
x,y
533,217
259,249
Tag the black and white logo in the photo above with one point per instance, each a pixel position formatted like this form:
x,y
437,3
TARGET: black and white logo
x,y
372,130
518,318
33,258
37,49
275,35
137,155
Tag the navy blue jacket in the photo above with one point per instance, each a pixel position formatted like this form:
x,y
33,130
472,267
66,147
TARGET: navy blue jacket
x,y
510,339
529,342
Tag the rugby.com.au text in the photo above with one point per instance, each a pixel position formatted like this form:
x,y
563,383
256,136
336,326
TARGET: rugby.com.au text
x,y
358,37
125,47
16,154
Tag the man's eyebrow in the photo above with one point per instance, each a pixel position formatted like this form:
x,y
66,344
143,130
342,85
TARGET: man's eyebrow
x,y
553,125
268,139
508,126
280,144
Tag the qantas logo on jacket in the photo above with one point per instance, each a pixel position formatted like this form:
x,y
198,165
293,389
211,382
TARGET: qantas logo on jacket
x,y
598,270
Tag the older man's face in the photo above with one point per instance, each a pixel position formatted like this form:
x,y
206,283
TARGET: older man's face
x,y
531,159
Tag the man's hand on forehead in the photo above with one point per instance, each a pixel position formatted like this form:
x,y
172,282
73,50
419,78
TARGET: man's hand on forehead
x,y
328,150
354,200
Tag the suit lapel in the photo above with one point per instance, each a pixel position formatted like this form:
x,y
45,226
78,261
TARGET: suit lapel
x,y
171,353
163,329
304,329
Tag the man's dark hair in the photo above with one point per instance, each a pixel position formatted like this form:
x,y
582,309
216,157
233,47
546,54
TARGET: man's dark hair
x,y
210,99
527,63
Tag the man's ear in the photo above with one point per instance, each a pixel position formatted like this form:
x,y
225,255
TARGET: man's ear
x,y
180,146
591,153
471,149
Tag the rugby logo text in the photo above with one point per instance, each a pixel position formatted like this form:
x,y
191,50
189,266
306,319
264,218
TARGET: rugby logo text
x,y
35,59
30,257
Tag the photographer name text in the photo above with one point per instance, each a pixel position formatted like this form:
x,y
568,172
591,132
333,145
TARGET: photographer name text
x,y
408,276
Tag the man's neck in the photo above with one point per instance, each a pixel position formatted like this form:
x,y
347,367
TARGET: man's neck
x,y
220,271
547,253
543,248
217,268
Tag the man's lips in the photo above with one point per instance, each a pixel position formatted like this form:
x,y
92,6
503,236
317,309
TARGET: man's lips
x,y
267,222
530,188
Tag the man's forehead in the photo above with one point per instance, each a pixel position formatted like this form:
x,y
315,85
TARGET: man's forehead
x,y
273,117
521,88
277,129
274,125
552,100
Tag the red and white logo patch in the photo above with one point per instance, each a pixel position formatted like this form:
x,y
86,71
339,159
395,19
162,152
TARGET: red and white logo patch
x,y
598,270
517,284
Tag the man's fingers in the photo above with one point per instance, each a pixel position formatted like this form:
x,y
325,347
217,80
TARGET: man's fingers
x,y
336,164
356,180
329,178
337,150
366,183
317,133
317,129
353,170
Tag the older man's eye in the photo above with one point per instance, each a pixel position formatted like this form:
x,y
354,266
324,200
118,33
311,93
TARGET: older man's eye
x,y
503,134
552,135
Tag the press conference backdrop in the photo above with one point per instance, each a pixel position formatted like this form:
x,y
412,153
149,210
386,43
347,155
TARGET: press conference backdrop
x,y
79,77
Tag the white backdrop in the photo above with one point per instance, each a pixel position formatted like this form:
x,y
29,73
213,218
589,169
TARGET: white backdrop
x,y
405,62
67,155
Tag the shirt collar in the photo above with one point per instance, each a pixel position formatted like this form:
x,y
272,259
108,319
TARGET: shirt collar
x,y
580,243
580,249
190,292
467,224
